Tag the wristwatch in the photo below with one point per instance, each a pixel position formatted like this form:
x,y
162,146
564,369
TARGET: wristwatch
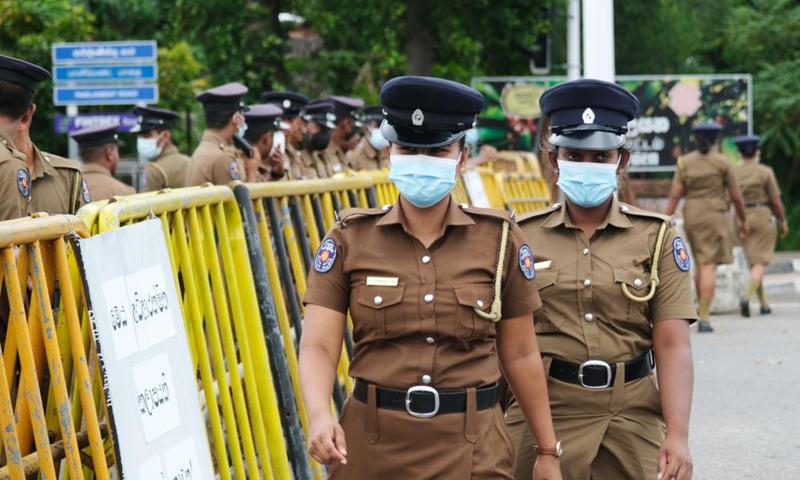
x,y
554,451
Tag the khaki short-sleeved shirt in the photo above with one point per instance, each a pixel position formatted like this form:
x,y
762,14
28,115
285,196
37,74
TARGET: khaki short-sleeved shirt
x,y
412,307
169,170
705,177
15,183
102,185
367,157
757,182
57,184
333,160
302,165
215,161
585,314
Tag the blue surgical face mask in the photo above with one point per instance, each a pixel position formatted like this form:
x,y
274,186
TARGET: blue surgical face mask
x,y
424,180
472,138
242,130
587,184
148,147
377,140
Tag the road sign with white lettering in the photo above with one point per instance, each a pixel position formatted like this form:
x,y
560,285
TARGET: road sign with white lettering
x,y
124,121
106,95
104,52
105,73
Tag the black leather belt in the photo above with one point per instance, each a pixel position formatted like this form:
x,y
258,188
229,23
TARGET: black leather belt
x,y
423,401
599,374
754,205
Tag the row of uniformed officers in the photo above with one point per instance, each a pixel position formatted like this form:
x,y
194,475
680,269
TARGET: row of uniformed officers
x,y
285,138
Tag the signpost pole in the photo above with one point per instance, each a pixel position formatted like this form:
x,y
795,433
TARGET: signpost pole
x,y
598,39
72,112
574,40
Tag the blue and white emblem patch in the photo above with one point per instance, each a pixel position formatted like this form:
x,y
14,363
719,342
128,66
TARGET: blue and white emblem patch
x,y
23,182
681,254
87,197
233,168
526,262
326,255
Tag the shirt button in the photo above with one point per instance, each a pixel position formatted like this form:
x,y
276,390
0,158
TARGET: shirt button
x,y
637,283
426,259
430,340
426,379
589,317
586,251
480,303
386,207
429,297
378,300
587,282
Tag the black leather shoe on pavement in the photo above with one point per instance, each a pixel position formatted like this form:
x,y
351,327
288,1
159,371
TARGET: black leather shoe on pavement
x,y
704,326
765,310
744,307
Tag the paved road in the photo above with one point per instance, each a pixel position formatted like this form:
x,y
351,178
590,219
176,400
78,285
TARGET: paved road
x,y
746,411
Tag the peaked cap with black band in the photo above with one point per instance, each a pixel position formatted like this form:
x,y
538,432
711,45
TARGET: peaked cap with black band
x,y
711,129
22,73
223,99
96,136
320,112
292,103
151,118
265,116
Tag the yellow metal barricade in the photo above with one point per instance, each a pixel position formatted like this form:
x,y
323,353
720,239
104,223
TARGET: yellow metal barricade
x,y
523,191
45,350
205,239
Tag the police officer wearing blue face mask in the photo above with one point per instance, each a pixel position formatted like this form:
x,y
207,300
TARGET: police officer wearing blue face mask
x,y
616,298
167,166
441,297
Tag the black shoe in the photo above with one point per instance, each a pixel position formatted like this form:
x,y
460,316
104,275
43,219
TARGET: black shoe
x,y
765,310
704,326
744,307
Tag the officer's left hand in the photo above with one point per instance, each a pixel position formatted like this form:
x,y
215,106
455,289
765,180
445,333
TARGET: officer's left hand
x,y
743,231
547,467
251,165
674,460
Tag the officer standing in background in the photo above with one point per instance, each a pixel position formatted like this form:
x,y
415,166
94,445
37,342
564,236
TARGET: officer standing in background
x,y
435,317
705,177
616,294
370,153
18,81
292,104
99,150
166,167
319,118
762,199
344,137
263,124
217,159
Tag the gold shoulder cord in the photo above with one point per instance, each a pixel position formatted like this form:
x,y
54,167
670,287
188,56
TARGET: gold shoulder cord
x,y
495,312
653,269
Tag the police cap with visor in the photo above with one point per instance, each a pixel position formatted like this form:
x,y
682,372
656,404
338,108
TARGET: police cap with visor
x,y
292,103
22,73
96,136
266,117
321,112
588,114
710,129
747,144
223,99
428,112
151,118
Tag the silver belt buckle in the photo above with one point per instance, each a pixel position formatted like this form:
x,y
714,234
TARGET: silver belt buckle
x,y
422,389
595,363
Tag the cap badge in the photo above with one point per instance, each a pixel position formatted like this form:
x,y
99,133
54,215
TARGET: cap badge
x,y
417,118
588,116
287,103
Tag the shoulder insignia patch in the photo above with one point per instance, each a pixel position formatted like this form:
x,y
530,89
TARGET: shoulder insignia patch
x,y
23,182
526,261
681,255
87,197
325,257
233,168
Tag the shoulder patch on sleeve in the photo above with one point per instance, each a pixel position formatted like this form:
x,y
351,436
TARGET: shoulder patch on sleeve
x,y
23,182
233,168
681,254
87,197
526,261
326,256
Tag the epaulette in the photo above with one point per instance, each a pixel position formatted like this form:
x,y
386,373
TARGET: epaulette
x,y
538,213
61,162
350,214
489,212
631,210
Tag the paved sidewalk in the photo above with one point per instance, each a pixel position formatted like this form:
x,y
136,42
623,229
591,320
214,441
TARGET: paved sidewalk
x,y
746,411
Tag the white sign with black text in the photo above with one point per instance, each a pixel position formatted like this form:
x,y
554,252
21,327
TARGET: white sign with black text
x,y
150,385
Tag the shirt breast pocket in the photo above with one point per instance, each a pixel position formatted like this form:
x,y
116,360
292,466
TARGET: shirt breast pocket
x,y
545,318
469,325
637,283
378,313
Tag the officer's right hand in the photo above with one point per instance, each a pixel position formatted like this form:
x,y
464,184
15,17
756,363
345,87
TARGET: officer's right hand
x,y
547,467
326,441
743,231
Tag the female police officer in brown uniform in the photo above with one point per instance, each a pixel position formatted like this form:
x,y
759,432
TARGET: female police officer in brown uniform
x,y
615,289
433,320
706,179
762,199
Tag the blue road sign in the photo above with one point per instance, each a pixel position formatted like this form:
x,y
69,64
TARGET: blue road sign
x,y
104,52
105,95
105,73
